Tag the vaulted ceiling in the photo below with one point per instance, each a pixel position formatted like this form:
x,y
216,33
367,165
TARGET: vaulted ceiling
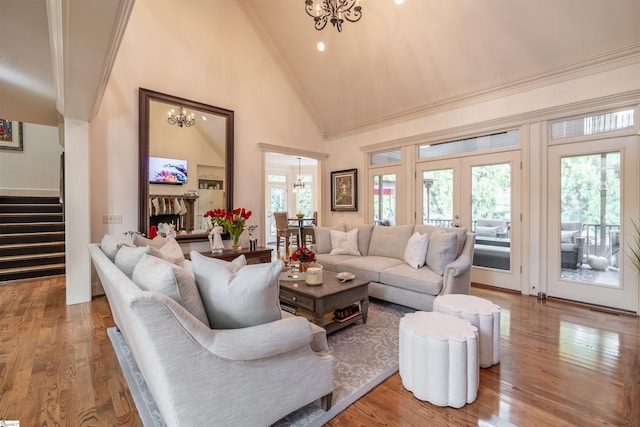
x,y
397,62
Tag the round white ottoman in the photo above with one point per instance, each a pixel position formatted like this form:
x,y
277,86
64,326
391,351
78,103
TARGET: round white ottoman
x,y
439,358
483,314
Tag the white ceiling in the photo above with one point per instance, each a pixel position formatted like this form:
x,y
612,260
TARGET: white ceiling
x,y
396,62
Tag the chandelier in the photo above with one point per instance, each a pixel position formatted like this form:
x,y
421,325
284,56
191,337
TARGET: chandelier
x,y
182,119
298,184
334,11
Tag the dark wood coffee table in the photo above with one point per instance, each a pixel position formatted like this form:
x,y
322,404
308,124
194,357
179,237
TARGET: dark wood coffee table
x,y
326,298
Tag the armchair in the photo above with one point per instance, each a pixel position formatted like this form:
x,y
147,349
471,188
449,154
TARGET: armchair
x,y
571,244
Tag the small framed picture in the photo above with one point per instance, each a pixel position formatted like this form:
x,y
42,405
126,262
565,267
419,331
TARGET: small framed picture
x,y
10,135
344,190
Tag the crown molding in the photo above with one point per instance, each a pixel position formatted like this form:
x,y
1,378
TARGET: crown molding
x,y
510,122
628,55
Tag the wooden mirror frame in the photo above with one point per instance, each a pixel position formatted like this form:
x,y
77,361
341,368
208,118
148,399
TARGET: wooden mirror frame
x,y
145,97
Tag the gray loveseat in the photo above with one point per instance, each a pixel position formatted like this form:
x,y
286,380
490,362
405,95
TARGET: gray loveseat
x,y
381,262
199,376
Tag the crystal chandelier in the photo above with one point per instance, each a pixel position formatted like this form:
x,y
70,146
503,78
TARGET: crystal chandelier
x,y
298,184
334,11
182,119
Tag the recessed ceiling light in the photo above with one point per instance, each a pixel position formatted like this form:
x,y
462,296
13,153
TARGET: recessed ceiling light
x,y
321,46
399,1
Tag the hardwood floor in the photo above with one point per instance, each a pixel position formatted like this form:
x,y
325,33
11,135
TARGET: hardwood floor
x,y
561,364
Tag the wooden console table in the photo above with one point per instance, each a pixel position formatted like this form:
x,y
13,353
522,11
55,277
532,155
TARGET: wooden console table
x,y
260,255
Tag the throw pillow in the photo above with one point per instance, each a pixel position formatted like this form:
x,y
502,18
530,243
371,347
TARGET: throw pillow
x,y
157,275
110,245
233,266
157,242
487,231
567,236
170,251
323,238
344,243
127,258
416,251
442,250
247,297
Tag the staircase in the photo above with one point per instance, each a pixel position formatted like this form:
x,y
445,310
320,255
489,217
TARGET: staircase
x,y
31,237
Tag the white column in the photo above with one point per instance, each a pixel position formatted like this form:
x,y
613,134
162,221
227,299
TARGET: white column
x,y
77,208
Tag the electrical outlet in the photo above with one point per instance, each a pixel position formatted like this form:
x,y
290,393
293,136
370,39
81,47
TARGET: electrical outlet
x,y
112,219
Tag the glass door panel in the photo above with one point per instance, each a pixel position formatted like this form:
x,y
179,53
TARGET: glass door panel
x,y
437,197
276,202
384,199
491,215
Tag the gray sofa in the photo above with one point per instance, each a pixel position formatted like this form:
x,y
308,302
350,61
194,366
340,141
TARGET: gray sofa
x,y
381,262
198,376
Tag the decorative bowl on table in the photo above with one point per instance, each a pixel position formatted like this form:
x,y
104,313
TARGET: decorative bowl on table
x,y
300,215
345,276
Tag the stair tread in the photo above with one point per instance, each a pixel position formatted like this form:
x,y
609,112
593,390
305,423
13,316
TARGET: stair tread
x,y
29,245
28,214
44,233
6,271
31,256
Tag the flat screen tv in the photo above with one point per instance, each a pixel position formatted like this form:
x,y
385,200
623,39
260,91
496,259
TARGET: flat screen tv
x,y
167,171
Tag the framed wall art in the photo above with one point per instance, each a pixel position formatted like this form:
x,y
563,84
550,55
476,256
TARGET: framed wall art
x,y
344,190
10,135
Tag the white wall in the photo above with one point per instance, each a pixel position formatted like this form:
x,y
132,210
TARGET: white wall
x,y
208,53
35,171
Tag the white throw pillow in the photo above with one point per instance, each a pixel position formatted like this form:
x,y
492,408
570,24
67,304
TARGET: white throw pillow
x,y
567,236
487,231
170,251
111,244
442,250
157,242
415,252
127,258
323,238
233,266
344,243
157,275
245,298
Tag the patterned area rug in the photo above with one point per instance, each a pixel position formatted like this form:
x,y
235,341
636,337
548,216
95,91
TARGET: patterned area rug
x,y
366,355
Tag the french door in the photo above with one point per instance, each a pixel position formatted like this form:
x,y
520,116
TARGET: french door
x,y
480,193
592,192
387,201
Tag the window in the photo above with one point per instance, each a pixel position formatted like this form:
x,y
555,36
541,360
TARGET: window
x,y
486,142
589,125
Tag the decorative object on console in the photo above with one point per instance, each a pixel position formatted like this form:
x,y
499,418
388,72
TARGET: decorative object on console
x,y
215,239
253,242
233,222
334,11
182,119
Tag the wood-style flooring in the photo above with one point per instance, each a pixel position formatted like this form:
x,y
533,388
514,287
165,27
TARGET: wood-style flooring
x,y
561,365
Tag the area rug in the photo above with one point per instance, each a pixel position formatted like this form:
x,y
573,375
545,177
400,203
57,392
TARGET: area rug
x,y
366,355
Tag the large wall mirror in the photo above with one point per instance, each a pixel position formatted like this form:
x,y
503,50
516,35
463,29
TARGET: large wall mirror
x,y
184,170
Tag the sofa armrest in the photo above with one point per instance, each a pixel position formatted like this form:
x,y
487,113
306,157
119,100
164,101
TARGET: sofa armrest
x,y
458,267
251,343
262,341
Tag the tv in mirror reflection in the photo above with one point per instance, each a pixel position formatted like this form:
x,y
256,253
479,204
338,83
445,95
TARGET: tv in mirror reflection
x,y
167,171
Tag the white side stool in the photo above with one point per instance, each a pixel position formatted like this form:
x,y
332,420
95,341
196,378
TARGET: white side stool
x,y
439,358
483,314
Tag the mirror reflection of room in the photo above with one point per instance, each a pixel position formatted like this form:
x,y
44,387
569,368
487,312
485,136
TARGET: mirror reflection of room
x,y
186,166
